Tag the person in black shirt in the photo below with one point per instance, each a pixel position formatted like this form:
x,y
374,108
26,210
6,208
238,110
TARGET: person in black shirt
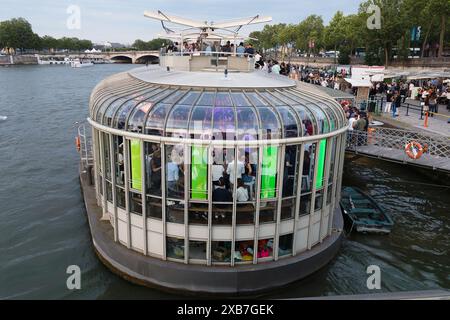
x,y
220,194
249,50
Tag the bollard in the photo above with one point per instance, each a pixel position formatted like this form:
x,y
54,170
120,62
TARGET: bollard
x,y
426,120
407,109
89,174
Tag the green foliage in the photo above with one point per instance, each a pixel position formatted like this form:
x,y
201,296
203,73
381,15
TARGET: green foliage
x,y
310,29
16,33
344,55
154,44
343,33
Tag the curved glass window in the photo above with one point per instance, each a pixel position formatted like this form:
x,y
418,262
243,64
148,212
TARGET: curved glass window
x,y
223,123
270,125
289,122
331,115
207,99
223,177
220,115
271,99
309,126
115,94
156,118
106,119
173,98
290,177
135,123
175,171
177,121
283,97
255,99
247,124
200,122
322,121
190,98
223,99
122,113
112,100
240,100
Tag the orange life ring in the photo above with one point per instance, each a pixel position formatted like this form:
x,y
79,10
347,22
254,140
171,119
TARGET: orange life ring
x,y
414,150
78,143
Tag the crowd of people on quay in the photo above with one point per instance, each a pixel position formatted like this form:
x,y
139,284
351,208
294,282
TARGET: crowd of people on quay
x,y
430,93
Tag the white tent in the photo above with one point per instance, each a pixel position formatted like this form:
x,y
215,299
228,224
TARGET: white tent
x,y
359,82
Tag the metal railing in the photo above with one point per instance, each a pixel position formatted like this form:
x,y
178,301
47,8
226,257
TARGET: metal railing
x,y
397,139
378,105
209,60
84,144
206,53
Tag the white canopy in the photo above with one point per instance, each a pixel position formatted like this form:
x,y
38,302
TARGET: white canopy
x,y
359,82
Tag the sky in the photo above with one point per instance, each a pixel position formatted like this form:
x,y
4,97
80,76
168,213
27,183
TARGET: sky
x,y
123,21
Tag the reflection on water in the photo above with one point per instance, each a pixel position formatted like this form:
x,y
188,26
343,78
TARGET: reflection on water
x,y
43,228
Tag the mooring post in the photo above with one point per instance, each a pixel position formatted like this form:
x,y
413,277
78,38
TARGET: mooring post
x,y
89,174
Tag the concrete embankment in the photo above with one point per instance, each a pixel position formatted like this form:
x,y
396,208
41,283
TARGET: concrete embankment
x,y
18,60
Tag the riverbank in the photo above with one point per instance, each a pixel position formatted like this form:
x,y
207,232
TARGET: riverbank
x,y
18,60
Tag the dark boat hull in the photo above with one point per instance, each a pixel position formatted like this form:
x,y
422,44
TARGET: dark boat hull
x,y
362,213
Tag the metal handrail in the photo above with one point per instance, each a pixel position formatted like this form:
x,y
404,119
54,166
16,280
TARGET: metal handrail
x,y
397,139
207,53
86,154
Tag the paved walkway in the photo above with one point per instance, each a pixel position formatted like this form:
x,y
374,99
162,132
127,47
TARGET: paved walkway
x,y
437,124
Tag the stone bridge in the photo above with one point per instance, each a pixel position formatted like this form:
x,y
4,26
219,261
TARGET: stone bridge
x,y
130,56
122,56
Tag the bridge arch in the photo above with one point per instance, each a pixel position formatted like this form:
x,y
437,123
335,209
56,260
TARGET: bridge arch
x,y
150,58
122,58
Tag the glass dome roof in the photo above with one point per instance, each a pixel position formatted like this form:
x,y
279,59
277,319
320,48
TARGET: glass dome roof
x,y
128,103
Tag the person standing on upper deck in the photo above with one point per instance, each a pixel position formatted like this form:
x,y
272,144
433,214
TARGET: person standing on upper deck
x,y
240,50
249,50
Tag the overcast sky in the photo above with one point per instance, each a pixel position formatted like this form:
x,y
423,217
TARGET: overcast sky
x,y
123,21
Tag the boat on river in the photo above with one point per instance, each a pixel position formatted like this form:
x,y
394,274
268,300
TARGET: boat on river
x,y
77,63
362,213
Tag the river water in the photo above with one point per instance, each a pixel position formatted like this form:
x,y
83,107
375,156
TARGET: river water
x,y
43,228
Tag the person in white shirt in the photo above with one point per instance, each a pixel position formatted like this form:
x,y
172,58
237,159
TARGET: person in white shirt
x,y
231,171
257,57
241,192
411,88
351,121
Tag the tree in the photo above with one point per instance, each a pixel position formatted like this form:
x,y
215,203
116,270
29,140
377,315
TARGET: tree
x,y
344,55
393,25
287,36
335,32
16,33
49,43
140,45
36,42
256,40
434,16
157,43
310,29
